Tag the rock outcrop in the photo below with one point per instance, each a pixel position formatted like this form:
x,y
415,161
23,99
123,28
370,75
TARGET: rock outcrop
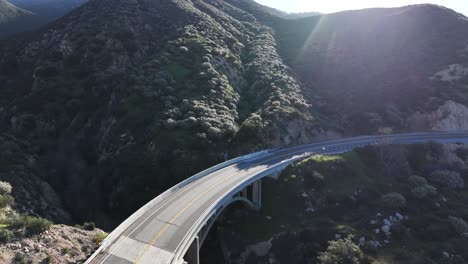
x,y
60,244
451,116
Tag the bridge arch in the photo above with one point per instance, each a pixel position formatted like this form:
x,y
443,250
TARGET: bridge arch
x,y
250,196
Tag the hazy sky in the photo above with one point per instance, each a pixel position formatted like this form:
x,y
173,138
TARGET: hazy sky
x,y
330,6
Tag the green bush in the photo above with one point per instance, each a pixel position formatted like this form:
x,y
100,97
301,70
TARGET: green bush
x,y
100,236
6,200
36,225
342,251
317,179
393,200
89,226
6,235
424,191
417,181
446,178
459,225
20,258
31,224
5,188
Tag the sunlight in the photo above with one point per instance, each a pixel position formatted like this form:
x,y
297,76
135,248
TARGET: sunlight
x,y
331,6
310,38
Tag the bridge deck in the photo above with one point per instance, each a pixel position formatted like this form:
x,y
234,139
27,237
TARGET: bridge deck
x,y
157,235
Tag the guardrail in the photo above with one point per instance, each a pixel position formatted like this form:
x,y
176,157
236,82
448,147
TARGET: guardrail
x,y
140,212
253,156
220,203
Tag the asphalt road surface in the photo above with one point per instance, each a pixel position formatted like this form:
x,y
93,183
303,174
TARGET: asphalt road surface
x,y
158,235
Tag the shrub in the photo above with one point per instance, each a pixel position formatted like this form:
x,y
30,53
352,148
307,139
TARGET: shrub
x,y
342,251
393,200
5,188
6,235
100,236
48,260
424,191
6,200
20,258
317,179
446,178
417,181
35,225
89,226
459,225
31,224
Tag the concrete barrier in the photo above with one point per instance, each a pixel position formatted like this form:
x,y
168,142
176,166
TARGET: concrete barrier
x,y
221,203
140,212
397,138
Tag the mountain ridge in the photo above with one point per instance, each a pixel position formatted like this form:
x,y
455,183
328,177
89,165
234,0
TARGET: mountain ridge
x,y
180,115
13,18
32,15
123,96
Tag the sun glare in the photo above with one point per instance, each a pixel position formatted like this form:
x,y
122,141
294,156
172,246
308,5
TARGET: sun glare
x,y
332,6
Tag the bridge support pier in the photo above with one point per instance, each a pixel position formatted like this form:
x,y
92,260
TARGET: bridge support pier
x,y
250,195
257,194
193,254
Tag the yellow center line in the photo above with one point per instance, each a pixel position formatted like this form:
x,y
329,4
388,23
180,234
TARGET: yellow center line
x,y
160,233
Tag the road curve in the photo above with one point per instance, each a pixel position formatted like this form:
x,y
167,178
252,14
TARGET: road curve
x,y
162,230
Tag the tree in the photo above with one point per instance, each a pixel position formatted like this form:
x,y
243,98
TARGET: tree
x,y
342,251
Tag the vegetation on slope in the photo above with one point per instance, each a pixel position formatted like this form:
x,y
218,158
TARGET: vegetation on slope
x,y
159,99
121,99
13,19
372,67
396,204
23,15
9,12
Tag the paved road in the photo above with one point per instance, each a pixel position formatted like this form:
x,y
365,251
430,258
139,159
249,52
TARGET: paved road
x,y
167,225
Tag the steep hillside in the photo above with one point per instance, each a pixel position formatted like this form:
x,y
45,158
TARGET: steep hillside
x,y
25,15
9,12
12,18
377,67
380,204
122,99
48,9
26,238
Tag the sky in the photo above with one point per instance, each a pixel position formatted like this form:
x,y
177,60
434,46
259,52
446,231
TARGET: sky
x,y
330,6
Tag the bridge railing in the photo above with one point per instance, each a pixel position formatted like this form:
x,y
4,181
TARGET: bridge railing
x,y
257,155
221,203
114,235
